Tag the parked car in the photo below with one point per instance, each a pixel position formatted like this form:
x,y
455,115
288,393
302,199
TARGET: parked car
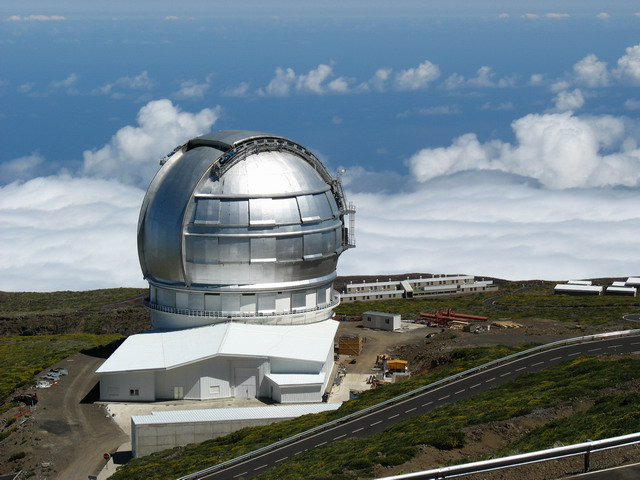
x,y
29,399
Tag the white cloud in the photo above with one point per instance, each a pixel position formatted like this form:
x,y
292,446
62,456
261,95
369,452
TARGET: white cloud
x,y
240,90
318,81
26,87
628,68
140,82
37,18
133,153
503,106
504,15
192,89
591,72
22,168
537,79
64,233
603,16
496,225
280,85
557,15
558,150
632,104
484,78
380,80
79,232
417,78
530,15
569,101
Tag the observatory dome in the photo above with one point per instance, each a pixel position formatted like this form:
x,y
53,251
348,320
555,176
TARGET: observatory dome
x,y
244,226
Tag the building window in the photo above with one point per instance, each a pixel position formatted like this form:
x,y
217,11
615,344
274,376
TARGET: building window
x,y
386,320
134,392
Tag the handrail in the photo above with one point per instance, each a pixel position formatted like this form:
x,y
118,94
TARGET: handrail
x,y
584,448
335,301
391,401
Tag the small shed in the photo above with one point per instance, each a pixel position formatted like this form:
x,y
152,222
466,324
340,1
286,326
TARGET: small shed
x,y
381,320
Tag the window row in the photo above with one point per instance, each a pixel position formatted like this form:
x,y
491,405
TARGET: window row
x,y
265,211
285,301
212,250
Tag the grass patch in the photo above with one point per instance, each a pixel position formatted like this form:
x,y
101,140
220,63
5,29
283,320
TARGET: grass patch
x,y
514,302
610,416
23,357
65,301
441,428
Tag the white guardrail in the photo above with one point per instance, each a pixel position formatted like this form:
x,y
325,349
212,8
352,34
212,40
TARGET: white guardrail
x,y
412,393
585,449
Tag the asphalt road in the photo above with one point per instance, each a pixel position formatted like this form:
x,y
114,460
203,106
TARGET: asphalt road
x,y
427,401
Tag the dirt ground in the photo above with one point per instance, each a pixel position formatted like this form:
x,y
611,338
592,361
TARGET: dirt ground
x,y
67,433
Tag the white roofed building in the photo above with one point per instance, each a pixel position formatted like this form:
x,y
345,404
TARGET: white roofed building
x,y
239,237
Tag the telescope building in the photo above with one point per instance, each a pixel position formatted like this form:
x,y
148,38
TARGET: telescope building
x,y
239,237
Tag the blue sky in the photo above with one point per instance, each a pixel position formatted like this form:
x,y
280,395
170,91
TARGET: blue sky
x,y
496,140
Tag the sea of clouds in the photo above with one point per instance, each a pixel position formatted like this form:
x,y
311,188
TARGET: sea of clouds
x,y
559,201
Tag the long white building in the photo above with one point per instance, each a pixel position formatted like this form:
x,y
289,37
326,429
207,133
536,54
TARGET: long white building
x,y
415,287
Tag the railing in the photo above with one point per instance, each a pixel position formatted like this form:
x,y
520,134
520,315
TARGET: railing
x,y
399,398
335,301
586,449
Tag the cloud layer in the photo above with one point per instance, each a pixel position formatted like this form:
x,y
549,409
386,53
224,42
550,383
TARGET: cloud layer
x,y
558,150
133,153
79,231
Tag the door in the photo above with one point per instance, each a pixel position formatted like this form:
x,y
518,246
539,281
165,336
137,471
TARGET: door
x,y
178,393
246,380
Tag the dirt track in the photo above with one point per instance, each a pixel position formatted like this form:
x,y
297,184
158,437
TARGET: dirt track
x,y
66,435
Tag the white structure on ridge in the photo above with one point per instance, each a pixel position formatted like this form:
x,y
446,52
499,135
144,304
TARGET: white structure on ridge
x,y
239,237
415,287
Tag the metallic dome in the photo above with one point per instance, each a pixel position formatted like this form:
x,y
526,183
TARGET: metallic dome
x,y
241,225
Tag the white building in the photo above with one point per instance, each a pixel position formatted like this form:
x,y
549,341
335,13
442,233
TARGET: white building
x,y
381,320
577,289
415,287
239,237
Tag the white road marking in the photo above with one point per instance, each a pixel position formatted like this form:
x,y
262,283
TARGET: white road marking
x,y
298,453
340,436
536,364
320,444
555,358
572,354
490,380
594,350
614,346
281,460
394,416
446,396
474,386
240,474
635,343
357,430
375,423
425,404
521,368
410,410
459,391
505,374
262,466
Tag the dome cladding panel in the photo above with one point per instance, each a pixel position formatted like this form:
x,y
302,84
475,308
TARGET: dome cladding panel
x,y
269,218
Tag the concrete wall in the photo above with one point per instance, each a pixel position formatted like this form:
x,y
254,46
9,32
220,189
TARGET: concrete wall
x,y
149,438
